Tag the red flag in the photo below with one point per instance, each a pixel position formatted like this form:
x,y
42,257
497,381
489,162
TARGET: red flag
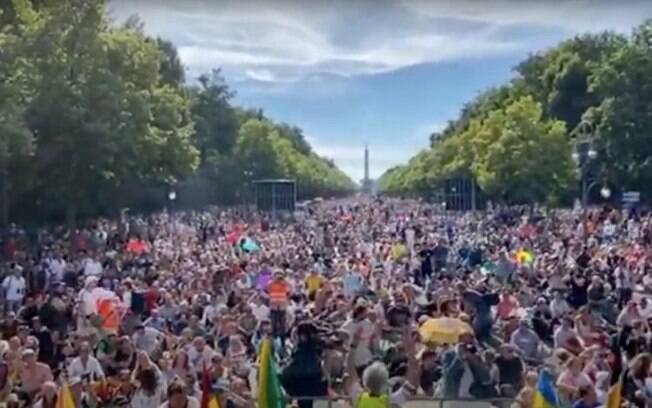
x,y
205,387
207,400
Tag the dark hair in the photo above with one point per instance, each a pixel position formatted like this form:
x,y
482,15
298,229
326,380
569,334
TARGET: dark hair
x,y
359,310
148,380
584,390
176,387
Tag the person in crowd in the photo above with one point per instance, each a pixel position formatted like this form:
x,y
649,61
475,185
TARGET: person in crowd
x,y
279,295
14,287
178,397
511,371
566,337
572,379
150,390
527,342
33,374
47,398
85,365
337,292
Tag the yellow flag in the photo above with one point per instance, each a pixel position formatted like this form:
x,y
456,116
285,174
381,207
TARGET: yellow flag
x,y
213,403
64,397
615,395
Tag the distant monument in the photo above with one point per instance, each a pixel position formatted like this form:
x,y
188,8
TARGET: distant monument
x,y
367,183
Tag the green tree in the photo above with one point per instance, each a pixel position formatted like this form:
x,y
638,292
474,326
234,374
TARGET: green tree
x,y
520,156
100,113
295,136
16,76
622,122
255,149
172,70
559,78
216,123
95,116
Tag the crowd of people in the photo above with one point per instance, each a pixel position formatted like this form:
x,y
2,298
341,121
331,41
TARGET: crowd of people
x,y
145,311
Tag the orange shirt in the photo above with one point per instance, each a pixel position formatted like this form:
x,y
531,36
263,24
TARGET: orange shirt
x,y
278,293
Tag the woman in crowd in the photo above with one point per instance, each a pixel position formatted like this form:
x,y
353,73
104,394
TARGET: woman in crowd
x,y
150,390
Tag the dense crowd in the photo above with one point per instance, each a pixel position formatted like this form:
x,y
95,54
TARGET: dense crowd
x,y
144,311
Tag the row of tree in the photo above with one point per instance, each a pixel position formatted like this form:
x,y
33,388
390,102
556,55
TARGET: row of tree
x,y
96,117
517,140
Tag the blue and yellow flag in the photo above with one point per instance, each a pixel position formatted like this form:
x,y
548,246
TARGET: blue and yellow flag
x,y
545,395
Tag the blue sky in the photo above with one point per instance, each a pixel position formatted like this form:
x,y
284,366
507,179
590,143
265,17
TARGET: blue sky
x,y
382,72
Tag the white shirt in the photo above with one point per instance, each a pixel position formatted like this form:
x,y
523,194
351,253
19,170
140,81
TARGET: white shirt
x,y
148,341
92,268
14,287
209,314
563,335
142,400
261,312
645,313
559,307
57,268
198,359
92,368
88,306
363,353
608,230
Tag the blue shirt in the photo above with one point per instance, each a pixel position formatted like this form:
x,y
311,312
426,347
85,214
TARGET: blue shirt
x,y
582,404
352,283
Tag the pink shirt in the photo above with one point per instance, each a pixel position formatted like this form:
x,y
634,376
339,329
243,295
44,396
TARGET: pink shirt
x,y
506,308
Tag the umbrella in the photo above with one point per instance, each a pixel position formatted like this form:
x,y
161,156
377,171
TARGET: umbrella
x,y
524,257
443,330
249,245
488,267
399,251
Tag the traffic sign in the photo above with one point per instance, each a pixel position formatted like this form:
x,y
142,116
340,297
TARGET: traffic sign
x,y
631,197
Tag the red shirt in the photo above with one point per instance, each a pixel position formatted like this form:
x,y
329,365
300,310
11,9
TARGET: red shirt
x,y
150,297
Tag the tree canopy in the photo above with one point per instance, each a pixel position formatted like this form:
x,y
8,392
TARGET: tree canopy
x,y
517,140
95,117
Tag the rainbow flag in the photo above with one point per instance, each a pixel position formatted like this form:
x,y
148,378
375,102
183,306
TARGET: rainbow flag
x,y
545,395
64,397
270,393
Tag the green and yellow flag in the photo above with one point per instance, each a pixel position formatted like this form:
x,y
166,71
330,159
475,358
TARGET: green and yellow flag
x,y
270,394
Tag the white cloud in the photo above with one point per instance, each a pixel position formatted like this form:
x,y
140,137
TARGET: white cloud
x,y
278,46
271,41
570,15
262,75
286,41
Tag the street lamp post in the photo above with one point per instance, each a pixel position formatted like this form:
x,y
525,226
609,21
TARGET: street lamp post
x,y
172,197
583,155
245,194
